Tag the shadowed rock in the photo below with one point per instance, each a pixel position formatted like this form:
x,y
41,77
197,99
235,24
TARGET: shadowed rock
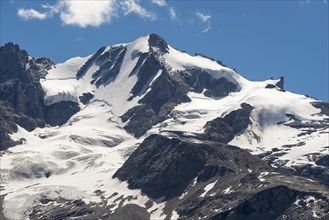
x,y
169,165
224,129
158,42
22,96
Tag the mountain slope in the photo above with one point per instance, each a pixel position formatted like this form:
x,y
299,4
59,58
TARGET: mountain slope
x,y
144,130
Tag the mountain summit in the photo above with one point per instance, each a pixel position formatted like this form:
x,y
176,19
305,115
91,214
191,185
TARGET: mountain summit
x,y
142,130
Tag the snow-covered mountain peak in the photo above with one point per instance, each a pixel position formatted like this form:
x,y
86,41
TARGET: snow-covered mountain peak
x,y
130,70
144,128
140,45
147,43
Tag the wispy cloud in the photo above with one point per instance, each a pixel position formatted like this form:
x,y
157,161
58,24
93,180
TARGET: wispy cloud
x,y
131,6
307,2
206,19
172,13
29,14
160,3
84,13
203,17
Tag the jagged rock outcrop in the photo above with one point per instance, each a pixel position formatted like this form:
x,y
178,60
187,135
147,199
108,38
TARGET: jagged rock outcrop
x,y
146,69
167,92
179,163
323,106
272,203
86,97
199,80
169,165
109,66
22,96
280,83
83,70
59,113
224,129
69,209
157,42
156,105
20,75
218,181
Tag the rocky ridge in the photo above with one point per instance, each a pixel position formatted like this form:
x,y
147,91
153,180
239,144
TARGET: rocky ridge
x,y
22,96
153,128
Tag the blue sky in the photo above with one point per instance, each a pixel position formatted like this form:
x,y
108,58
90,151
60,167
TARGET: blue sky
x,y
259,39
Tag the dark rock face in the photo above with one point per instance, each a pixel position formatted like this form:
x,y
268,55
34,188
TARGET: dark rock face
x,y
137,126
13,61
169,165
280,84
59,113
224,129
270,86
145,73
247,196
323,161
130,211
165,93
168,91
158,42
323,106
319,172
110,64
7,126
267,204
83,70
244,187
61,208
21,94
156,105
198,80
19,86
72,209
86,97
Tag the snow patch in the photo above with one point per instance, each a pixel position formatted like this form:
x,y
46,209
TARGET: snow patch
x,y
174,215
208,188
228,190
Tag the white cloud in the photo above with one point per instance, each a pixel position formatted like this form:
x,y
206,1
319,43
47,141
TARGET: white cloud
x,y
131,6
84,13
206,29
87,13
52,9
160,3
204,18
29,14
172,13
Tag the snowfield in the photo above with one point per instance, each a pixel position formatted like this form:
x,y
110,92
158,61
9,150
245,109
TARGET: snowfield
x,y
74,160
52,163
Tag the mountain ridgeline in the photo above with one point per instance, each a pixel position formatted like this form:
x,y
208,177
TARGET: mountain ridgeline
x,y
22,96
142,130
